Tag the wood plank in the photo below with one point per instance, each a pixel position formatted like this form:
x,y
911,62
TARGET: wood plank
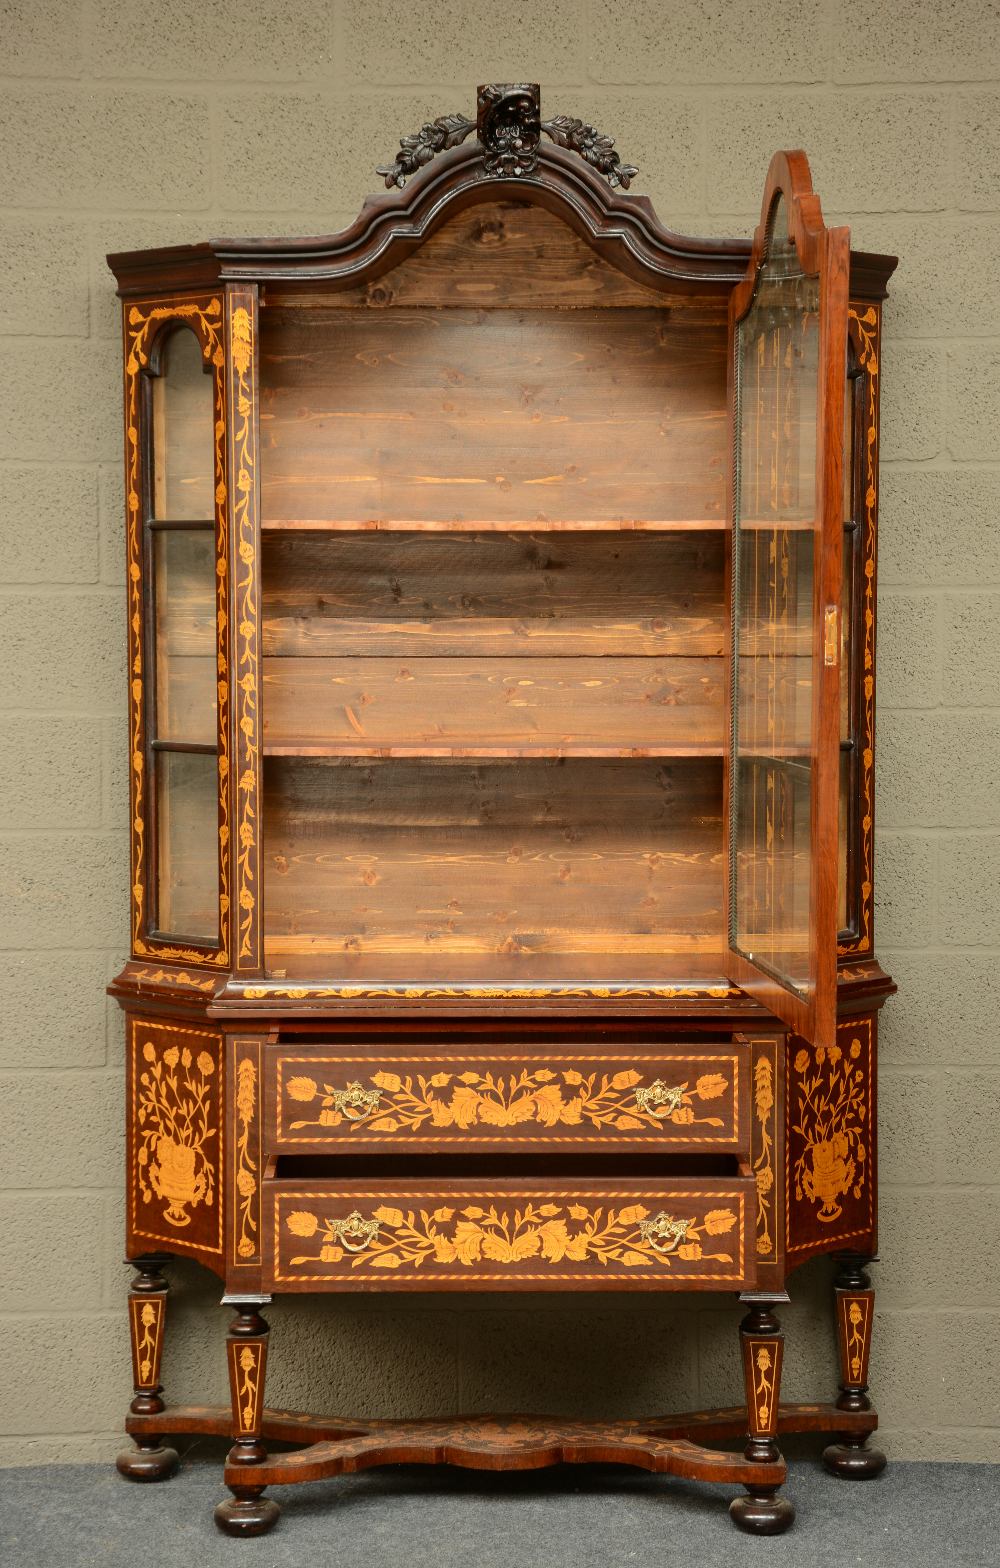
x,y
504,857
493,594
382,702
672,968
520,415
499,255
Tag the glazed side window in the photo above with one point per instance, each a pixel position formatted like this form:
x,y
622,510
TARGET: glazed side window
x,y
184,720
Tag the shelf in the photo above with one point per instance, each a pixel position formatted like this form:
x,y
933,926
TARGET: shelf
x,y
569,973
348,749
278,525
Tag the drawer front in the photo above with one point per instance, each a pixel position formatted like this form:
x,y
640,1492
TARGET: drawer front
x,y
338,1100
563,1235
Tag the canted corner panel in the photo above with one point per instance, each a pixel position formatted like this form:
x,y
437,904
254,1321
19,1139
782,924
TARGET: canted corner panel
x,y
175,1136
830,1140
437,1236
410,1099
144,322
865,324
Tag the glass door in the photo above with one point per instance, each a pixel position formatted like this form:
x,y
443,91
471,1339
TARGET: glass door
x,y
788,346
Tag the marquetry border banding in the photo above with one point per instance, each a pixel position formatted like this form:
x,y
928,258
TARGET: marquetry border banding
x,y
497,993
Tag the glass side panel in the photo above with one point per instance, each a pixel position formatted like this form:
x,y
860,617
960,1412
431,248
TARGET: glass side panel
x,y
184,573
183,434
187,814
846,623
775,552
845,919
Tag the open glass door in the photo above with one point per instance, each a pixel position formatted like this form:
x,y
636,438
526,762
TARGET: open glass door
x,y
788,335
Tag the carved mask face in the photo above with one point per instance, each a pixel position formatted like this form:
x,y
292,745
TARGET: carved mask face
x,y
510,127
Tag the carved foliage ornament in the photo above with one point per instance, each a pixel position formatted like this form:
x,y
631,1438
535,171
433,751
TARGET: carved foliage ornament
x,y
509,127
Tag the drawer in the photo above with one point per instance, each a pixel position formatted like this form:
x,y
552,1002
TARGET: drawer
x,y
335,1099
555,1234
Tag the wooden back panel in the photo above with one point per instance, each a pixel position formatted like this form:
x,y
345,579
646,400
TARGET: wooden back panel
x,y
512,413
498,858
448,595
477,416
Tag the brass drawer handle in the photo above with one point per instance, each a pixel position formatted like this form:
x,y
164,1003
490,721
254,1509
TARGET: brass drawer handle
x,y
657,1094
355,1233
356,1102
663,1232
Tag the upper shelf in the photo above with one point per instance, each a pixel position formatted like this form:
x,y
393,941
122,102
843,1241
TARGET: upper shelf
x,y
437,525
402,525
472,750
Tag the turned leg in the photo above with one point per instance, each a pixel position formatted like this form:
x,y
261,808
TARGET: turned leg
x,y
247,1512
147,1311
854,1301
762,1511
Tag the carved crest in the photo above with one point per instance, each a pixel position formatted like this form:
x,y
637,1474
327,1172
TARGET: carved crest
x,y
509,126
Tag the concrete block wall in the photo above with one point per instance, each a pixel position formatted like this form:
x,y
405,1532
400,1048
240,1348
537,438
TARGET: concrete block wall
x,y
125,124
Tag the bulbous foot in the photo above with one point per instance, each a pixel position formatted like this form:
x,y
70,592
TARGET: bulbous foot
x,y
247,1515
762,1515
852,1462
147,1464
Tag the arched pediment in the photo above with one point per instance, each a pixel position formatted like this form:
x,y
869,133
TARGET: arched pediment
x,y
581,182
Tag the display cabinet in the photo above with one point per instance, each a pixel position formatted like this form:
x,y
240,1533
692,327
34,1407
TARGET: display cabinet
x,y
501,637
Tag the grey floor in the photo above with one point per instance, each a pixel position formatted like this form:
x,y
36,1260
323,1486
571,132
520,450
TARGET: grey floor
x,y
916,1516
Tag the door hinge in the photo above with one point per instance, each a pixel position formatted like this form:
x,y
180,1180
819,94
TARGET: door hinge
x,y
830,634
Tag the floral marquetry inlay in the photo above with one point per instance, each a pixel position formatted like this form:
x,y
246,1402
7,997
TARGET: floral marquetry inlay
x,y
175,1135
830,1088
523,1237
763,1147
675,1098
147,1314
762,1359
247,1361
174,1126
243,479
854,1314
829,1156
246,1156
